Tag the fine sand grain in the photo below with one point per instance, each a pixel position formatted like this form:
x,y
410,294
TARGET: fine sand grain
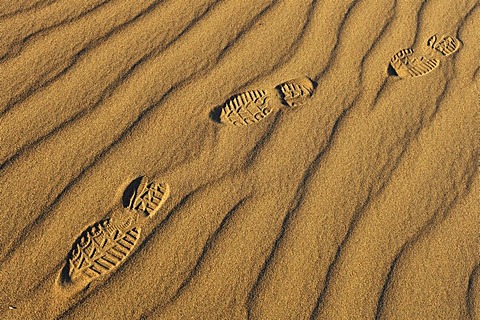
x,y
240,159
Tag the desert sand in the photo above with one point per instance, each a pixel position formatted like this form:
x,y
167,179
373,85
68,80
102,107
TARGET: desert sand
x,y
240,159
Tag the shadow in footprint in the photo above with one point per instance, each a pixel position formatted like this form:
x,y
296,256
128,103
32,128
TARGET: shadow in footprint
x,y
64,276
391,71
65,281
130,191
215,114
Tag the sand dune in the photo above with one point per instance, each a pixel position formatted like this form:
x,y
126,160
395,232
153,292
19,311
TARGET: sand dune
x,y
351,192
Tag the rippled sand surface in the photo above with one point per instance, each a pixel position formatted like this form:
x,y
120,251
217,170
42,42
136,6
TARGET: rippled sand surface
x,y
360,202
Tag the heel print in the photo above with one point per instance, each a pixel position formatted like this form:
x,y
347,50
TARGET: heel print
x,y
149,196
296,92
446,45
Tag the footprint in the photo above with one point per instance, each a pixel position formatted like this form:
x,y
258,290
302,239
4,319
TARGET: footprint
x,y
246,108
408,64
100,249
105,245
446,45
148,196
296,92
252,106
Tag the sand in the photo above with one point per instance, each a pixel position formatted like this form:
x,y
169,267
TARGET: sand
x,y
240,159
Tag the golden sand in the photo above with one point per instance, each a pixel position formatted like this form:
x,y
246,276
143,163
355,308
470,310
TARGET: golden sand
x,y
239,159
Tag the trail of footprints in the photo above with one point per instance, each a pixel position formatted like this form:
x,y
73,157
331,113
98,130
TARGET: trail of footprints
x,y
108,243
407,63
253,106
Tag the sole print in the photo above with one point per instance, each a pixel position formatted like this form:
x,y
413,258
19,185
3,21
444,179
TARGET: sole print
x,y
407,63
246,108
99,250
253,106
105,245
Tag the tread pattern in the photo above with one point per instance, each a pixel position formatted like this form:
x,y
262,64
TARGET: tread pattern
x,y
100,249
149,196
407,64
246,108
447,45
296,92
